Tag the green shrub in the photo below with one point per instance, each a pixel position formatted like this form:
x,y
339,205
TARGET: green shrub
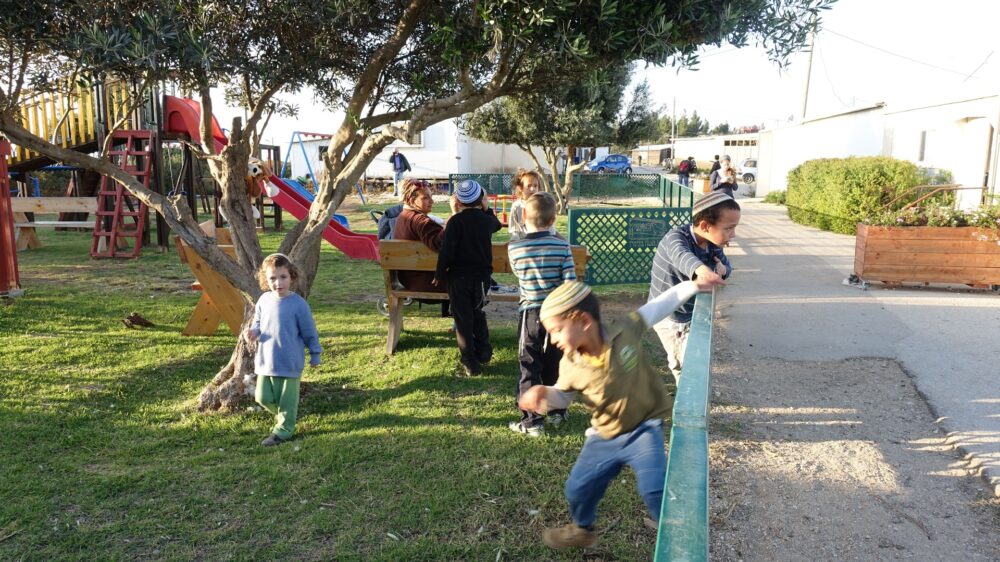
x,y
776,197
836,193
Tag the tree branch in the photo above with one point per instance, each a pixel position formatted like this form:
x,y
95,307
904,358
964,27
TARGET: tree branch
x,y
134,101
369,76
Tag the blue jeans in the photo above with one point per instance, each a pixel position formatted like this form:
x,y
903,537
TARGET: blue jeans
x,y
684,179
397,176
602,459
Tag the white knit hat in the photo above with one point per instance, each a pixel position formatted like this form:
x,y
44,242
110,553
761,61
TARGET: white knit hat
x,y
709,200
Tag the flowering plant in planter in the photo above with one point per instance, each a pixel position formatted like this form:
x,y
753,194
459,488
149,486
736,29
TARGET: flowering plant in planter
x,y
985,216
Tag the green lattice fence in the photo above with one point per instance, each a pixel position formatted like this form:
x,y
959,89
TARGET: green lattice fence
x,y
622,242
494,184
616,185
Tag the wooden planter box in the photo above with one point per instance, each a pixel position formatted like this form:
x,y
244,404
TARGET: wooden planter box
x,y
700,185
928,254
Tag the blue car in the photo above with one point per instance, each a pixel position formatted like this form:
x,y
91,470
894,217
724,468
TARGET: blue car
x,y
612,163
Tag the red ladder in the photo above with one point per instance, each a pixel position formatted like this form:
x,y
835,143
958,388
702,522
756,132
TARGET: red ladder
x,y
10,280
132,152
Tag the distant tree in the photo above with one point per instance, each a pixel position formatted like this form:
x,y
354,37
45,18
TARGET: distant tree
x,y
664,128
639,122
720,129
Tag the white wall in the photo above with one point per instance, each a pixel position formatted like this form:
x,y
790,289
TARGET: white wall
x,y
489,158
444,150
434,158
954,136
705,148
780,150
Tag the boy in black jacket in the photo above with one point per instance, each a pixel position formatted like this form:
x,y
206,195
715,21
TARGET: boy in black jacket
x,y
466,261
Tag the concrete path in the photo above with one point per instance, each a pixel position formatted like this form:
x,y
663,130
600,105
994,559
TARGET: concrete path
x,y
787,301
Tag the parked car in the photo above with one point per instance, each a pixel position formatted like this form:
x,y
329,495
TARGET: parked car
x,y
747,170
612,163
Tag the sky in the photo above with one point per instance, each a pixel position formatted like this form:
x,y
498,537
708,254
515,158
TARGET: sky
x,y
906,53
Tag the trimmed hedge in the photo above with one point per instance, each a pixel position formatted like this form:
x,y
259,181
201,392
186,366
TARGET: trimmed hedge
x,y
836,193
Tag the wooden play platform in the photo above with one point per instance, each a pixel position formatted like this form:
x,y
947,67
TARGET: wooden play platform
x,y
219,301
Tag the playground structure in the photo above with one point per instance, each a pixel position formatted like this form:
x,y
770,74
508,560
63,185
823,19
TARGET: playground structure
x,y
82,119
10,279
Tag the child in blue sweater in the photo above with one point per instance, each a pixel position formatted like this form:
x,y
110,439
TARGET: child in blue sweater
x,y
283,327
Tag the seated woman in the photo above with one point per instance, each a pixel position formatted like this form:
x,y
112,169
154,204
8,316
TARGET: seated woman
x,y
414,223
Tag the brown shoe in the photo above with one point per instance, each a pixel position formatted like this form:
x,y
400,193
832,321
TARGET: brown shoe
x,y
571,535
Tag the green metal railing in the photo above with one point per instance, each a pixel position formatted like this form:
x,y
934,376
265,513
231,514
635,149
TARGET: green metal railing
x,y
622,240
494,184
674,194
683,529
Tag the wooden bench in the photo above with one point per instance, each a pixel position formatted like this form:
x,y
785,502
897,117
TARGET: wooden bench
x,y
26,235
406,255
219,301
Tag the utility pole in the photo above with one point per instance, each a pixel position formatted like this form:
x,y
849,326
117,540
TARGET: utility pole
x,y
673,132
812,47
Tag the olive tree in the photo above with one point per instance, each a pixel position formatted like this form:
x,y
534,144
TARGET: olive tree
x,y
391,67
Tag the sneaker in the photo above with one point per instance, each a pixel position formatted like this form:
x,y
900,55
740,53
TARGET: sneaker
x,y
272,440
570,536
557,418
533,431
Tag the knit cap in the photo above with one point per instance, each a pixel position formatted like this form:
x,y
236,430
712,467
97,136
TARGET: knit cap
x,y
468,191
709,200
563,299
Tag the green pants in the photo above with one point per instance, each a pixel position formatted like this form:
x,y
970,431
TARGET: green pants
x,y
280,396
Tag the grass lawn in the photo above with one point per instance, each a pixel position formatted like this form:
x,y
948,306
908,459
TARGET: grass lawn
x,y
395,458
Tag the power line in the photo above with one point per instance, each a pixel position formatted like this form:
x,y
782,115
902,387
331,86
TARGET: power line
x,y
826,72
904,57
978,67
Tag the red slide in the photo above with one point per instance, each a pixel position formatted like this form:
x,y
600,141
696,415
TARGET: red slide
x,y
182,115
353,244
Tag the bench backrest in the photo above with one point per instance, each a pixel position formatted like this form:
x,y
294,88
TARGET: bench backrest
x,y
53,204
412,255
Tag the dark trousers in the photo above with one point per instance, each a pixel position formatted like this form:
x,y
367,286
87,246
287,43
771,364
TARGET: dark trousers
x,y
539,361
468,297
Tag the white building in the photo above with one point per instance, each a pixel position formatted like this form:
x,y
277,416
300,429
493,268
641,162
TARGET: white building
x,y
438,151
854,133
737,146
960,136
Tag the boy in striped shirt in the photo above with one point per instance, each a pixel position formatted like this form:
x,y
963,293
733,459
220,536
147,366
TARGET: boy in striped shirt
x,y
688,252
542,261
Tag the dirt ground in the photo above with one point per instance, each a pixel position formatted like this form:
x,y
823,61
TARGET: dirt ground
x,y
836,461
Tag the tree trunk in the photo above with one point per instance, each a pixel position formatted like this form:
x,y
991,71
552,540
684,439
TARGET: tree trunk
x,y
551,157
234,385
566,188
